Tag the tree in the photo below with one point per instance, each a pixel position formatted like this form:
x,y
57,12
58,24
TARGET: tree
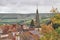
x,y
32,24
56,20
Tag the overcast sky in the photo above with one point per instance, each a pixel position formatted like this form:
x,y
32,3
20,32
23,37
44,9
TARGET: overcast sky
x,y
28,6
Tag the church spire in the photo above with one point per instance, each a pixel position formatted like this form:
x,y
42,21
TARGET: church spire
x,y
37,18
37,15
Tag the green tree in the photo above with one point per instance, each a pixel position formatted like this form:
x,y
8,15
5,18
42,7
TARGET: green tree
x,y
32,24
56,20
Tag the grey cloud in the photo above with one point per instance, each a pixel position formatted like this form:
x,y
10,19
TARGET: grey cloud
x,y
24,5
41,2
28,2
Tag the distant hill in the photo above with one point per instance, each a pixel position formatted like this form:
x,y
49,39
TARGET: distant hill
x,y
13,18
23,16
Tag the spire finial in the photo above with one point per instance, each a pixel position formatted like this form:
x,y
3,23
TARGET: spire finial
x,y
37,6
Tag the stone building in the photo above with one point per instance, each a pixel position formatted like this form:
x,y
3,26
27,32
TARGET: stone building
x,y
37,19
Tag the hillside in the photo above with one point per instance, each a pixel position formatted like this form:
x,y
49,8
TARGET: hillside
x,y
13,18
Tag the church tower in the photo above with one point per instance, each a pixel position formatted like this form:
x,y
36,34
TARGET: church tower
x,y
37,19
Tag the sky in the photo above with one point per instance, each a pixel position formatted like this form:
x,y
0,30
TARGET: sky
x,y
28,6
